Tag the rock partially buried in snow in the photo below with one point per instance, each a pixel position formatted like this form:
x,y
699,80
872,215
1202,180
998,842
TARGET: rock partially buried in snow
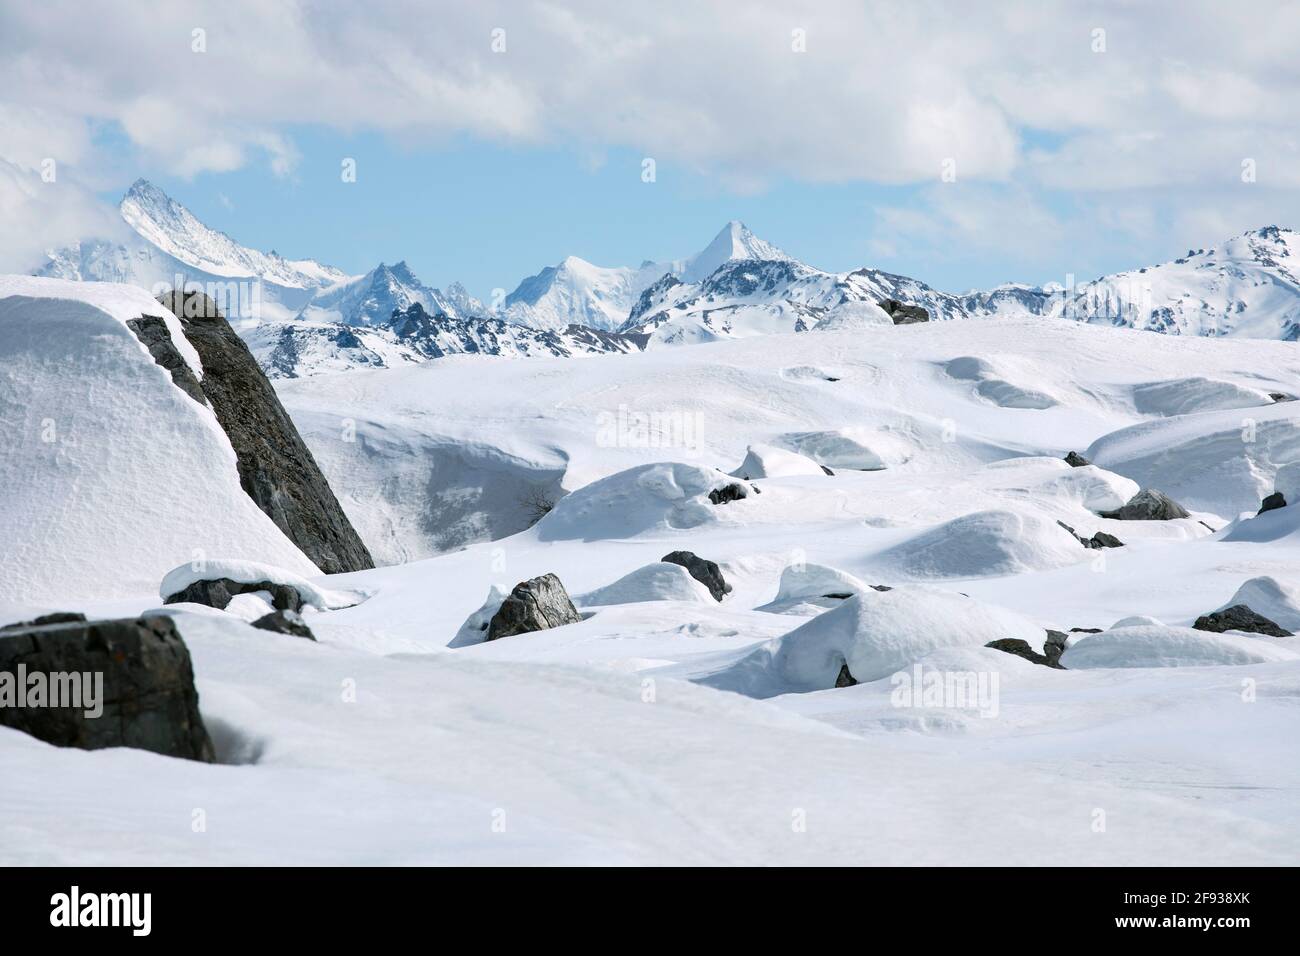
x,y
1149,505
903,314
706,572
1239,617
768,461
1075,460
215,582
662,581
1021,648
874,635
1099,539
1163,646
1272,502
475,628
728,493
984,543
135,672
285,622
534,605
1276,600
816,584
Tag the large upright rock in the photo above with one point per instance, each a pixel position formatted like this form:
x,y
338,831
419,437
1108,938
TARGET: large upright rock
x,y
144,698
534,605
275,467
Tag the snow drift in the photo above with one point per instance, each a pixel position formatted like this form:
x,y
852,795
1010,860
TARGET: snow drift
x,y
1164,646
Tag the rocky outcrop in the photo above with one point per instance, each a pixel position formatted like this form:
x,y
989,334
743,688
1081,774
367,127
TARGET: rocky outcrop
x,y
1149,505
706,572
1075,460
534,605
217,593
153,332
285,622
902,313
1272,503
1014,645
1239,617
129,683
275,467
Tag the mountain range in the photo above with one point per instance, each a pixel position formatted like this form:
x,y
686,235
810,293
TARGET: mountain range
x,y
302,317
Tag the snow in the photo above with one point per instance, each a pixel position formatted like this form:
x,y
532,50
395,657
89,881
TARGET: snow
x,y
251,572
1162,646
112,474
815,583
1185,395
768,461
660,581
985,542
1279,601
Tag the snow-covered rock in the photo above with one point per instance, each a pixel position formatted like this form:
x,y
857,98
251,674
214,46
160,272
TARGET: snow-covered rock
x,y
653,582
984,543
768,461
1279,601
1149,645
1187,395
179,578
858,448
816,584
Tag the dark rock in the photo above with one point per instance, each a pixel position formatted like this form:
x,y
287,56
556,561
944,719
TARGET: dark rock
x,y
534,605
838,595
285,622
844,678
706,572
1075,460
1149,505
731,492
1084,630
1281,397
1272,503
275,467
904,314
57,617
1100,539
218,592
1239,617
880,587
153,332
828,471
1013,645
147,692
1054,647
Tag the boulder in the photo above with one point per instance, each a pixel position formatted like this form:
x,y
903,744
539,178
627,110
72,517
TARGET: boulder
x,y
534,605
276,469
217,593
706,572
1075,460
844,678
1239,617
137,671
730,492
1272,503
285,622
902,313
1149,505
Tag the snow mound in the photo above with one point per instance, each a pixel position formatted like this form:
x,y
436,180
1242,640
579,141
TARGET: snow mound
x,y
985,543
475,628
854,314
1184,396
1276,600
660,581
812,583
656,497
768,461
876,635
251,572
854,448
1164,646
1287,481
991,386
1136,620
111,473
1095,488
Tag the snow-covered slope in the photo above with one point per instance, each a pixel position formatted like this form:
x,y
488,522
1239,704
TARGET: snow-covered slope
x,y
112,474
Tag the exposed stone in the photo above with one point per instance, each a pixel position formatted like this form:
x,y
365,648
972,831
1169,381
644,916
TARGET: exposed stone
x,y
827,471
706,572
880,587
729,492
1239,617
147,693
1075,460
1149,505
1100,539
1054,646
56,617
1085,630
275,467
217,593
285,622
844,678
1014,645
153,332
1272,503
534,605
902,313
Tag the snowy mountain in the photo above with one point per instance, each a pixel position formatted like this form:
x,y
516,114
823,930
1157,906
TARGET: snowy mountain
x,y
372,298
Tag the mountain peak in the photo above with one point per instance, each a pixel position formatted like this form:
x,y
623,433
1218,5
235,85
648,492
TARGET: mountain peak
x,y
734,241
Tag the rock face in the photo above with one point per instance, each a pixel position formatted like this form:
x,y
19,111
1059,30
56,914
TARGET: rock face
x,y
218,592
1014,645
1075,460
1239,617
1272,503
147,691
904,314
706,572
276,469
1149,505
153,332
285,622
534,605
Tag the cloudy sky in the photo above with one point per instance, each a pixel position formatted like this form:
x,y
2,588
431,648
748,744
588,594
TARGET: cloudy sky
x,y
963,143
